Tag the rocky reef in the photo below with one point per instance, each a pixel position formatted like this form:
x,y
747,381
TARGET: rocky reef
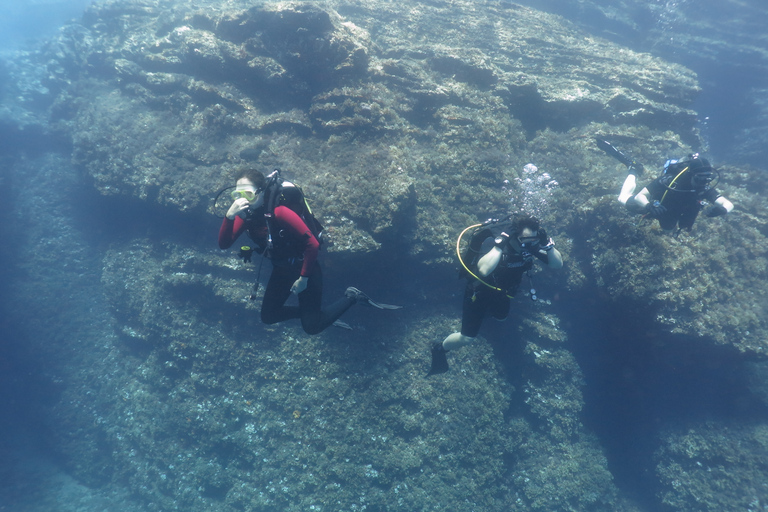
x,y
403,123
722,40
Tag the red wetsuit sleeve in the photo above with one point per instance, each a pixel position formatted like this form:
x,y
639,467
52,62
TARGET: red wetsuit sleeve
x,y
288,218
229,231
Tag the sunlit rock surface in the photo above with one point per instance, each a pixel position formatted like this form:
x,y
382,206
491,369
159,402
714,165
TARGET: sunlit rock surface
x,y
404,123
724,40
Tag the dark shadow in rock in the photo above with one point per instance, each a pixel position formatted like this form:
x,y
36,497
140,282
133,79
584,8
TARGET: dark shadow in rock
x,y
509,351
640,380
527,106
109,219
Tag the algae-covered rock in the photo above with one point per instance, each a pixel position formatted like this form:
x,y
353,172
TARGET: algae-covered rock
x,y
177,95
722,40
699,282
714,467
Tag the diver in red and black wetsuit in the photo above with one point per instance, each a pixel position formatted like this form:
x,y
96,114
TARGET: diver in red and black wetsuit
x,y
293,253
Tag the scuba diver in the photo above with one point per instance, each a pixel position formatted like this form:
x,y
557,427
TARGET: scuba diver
x,y
277,218
677,196
498,254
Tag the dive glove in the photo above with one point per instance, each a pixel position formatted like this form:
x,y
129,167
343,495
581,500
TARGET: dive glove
x,y
715,210
545,243
655,209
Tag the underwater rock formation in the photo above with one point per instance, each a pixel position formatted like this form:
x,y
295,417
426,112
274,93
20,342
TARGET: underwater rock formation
x,y
722,40
403,123
179,97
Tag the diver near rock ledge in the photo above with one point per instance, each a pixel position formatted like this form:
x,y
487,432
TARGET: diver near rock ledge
x,y
278,219
499,253
677,196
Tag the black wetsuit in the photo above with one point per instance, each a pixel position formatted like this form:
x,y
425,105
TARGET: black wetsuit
x,y
480,299
683,203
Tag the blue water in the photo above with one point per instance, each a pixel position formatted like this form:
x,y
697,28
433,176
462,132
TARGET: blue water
x,y
728,109
24,23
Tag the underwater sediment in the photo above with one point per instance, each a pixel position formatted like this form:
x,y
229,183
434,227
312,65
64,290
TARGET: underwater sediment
x,y
403,123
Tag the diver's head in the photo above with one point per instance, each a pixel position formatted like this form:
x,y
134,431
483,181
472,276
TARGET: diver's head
x,y
701,171
526,232
692,169
249,186
255,177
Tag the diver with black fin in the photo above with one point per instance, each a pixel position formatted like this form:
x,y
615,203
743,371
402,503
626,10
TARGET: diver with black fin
x,y
677,196
499,253
277,218
634,169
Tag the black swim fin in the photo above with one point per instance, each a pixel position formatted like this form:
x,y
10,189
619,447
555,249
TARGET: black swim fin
x,y
439,359
610,150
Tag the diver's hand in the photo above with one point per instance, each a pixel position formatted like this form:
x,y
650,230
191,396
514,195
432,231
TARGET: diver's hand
x,y
655,209
299,285
546,244
715,210
239,207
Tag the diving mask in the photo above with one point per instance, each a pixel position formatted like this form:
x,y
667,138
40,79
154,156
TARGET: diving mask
x,y
247,193
528,242
702,179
